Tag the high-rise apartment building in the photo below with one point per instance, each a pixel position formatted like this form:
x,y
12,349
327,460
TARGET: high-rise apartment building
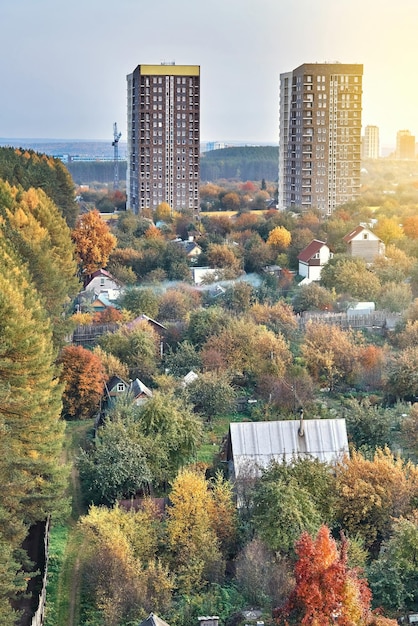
x,y
370,144
163,138
405,145
320,135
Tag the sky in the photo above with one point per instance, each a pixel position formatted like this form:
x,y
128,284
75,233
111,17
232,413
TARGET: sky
x,y
64,63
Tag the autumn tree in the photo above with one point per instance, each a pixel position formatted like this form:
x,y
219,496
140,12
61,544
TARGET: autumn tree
x,y
373,492
389,230
83,377
330,353
350,275
42,239
122,576
327,591
244,348
224,257
402,381
278,317
112,366
313,297
93,241
279,238
192,540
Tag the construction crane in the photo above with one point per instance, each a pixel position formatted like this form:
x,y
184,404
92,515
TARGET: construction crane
x,y
115,144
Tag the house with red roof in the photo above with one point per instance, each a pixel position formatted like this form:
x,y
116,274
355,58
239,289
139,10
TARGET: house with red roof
x,y
363,243
312,259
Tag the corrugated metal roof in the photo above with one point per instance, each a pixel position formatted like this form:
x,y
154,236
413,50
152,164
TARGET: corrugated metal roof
x,y
259,443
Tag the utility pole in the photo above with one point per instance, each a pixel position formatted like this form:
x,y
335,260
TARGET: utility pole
x,y
115,144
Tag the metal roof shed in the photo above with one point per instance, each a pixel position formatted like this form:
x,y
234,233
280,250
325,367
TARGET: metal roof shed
x,y
256,444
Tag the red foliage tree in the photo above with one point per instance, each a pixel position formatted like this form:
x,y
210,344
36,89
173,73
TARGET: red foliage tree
x,y
327,591
83,376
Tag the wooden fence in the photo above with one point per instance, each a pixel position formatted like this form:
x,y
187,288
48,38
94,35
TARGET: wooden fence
x,y
377,321
88,335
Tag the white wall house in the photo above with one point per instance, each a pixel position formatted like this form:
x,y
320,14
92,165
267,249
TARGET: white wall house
x,y
312,259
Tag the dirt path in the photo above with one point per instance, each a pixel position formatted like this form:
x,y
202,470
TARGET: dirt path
x,y
68,608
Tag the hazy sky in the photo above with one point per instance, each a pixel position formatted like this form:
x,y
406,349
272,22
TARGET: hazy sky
x,y
64,63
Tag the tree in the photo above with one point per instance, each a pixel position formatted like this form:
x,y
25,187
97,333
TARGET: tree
x,y
192,541
31,431
263,575
93,241
402,379
395,297
313,297
410,226
370,426
123,577
136,347
111,365
330,353
116,467
139,300
211,395
170,423
42,239
280,238
224,257
83,375
373,492
278,317
182,360
393,575
244,348
292,497
350,275
389,230
327,591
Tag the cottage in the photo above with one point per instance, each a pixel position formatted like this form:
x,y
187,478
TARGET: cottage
x,y
312,259
363,243
153,620
139,391
102,282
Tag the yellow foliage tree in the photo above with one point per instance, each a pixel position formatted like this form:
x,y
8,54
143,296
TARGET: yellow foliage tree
x,y
192,540
370,493
93,241
279,238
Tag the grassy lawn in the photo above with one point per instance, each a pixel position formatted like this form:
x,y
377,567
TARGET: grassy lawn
x,y
215,433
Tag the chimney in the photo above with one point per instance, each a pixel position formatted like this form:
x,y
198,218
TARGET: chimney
x,y
301,430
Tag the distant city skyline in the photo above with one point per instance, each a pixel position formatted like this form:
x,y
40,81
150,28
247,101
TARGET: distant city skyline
x,y
64,71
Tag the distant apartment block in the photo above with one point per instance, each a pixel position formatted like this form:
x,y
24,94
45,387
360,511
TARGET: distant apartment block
x,y
370,143
405,145
163,137
320,135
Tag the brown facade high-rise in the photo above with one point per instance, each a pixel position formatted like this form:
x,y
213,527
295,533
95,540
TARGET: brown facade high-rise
x,y
320,135
163,137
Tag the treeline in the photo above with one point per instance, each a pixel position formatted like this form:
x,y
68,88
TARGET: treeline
x,y
85,172
37,283
27,168
241,163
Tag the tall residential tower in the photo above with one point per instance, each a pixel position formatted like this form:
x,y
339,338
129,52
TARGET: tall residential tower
x,y
370,146
320,135
163,137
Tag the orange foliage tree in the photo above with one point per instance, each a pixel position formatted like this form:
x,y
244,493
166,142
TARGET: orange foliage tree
x,y
327,591
93,241
83,376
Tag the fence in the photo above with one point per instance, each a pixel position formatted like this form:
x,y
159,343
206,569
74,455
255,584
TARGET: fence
x,y
87,335
38,618
378,321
